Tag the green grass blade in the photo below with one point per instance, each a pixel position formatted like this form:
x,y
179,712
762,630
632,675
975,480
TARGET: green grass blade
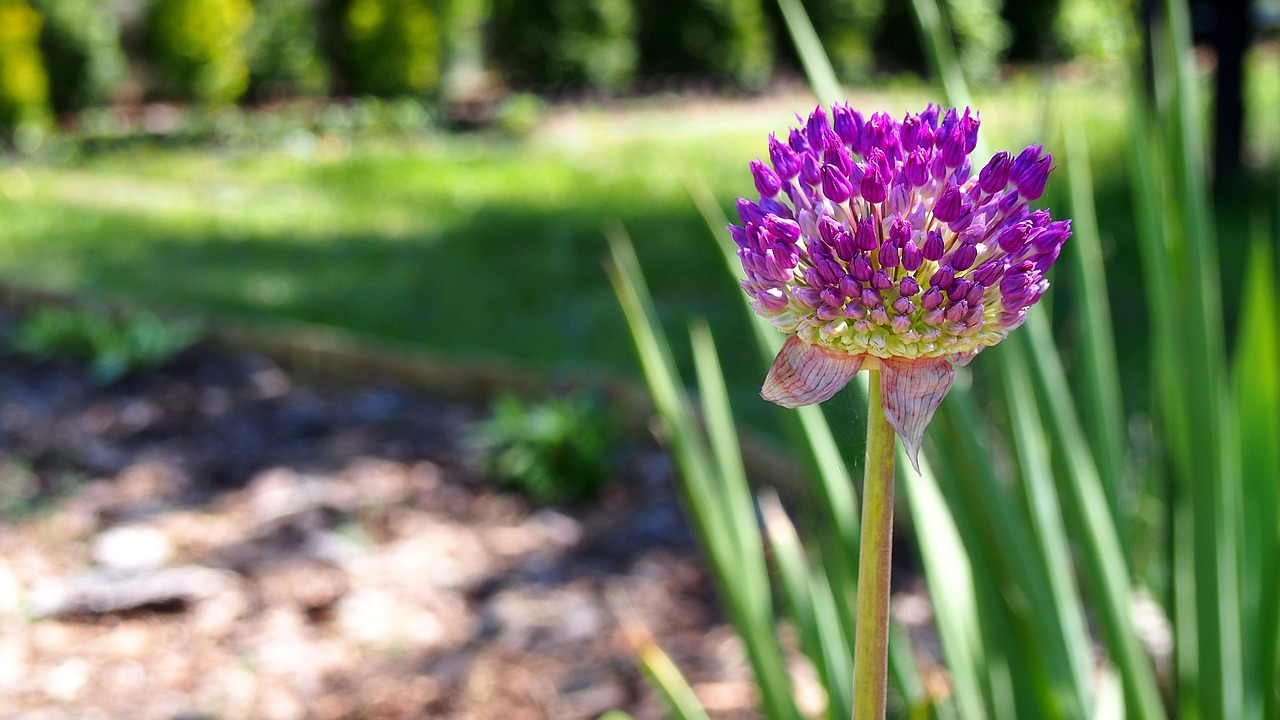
x,y
663,675
1085,503
748,602
1099,393
1257,394
813,606
951,588
935,37
1209,478
817,66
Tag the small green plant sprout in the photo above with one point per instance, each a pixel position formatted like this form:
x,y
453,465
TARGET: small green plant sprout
x,y
113,346
874,246
553,451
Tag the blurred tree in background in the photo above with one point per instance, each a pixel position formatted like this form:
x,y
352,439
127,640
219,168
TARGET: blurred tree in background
x,y
81,45
24,86
284,51
391,47
728,39
199,47
546,43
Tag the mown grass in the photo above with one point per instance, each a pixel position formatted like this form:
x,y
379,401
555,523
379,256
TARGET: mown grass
x,y
470,245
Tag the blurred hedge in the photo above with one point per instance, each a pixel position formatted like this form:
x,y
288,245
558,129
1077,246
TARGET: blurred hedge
x,y
199,47
547,43
66,56
81,47
24,86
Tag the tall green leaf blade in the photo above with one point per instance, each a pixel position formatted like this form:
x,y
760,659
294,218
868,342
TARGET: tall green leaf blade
x,y
817,66
1085,502
748,603
1256,377
1099,393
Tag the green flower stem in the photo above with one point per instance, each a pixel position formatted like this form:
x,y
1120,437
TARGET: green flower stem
x,y
871,642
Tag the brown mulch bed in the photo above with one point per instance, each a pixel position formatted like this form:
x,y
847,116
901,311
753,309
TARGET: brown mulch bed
x,y
218,539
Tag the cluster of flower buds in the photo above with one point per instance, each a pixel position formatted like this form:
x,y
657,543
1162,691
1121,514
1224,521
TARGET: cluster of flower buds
x,y
873,238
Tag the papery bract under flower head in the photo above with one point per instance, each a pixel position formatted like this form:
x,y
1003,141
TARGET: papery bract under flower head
x,y
875,244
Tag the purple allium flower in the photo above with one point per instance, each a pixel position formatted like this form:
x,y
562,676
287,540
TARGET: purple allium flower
x,y
873,245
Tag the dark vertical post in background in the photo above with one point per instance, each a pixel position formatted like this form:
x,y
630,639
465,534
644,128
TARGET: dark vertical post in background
x,y
1231,38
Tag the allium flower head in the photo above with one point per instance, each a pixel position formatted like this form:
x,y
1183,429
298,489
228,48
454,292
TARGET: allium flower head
x,y
874,244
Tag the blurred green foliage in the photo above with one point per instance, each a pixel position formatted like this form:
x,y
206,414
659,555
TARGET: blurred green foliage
x,y
81,46
24,86
199,46
392,47
729,39
552,451
112,345
544,43
283,51
848,29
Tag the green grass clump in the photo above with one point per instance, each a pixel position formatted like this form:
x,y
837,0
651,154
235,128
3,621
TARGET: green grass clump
x,y
112,346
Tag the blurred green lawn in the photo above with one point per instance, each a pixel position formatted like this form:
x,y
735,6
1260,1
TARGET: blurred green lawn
x,y
468,245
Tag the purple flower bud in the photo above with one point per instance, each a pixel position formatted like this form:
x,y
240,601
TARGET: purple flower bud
x,y
782,230
937,169
947,207
810,173
750,212
974,296
956,312
931,299
837,155
870,298
962,223
860,268
773,207
875,132
943,277
832,298
908,286
993,178
900,324
888,255
881,281
849,286
771,302
818,131
784,159
932,317
874,188
1017,279
989,272
1025,160
910,132
878,315
827,313
854,310
917,168
963,257
835,185
933,246
739,235
866,237
1053,236
912,258
768,183
828,228
903,305
1031,183
1014,237
969,130
952,148
798,143
930,116
959,288
900,230
848,126
1045,259
807,296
